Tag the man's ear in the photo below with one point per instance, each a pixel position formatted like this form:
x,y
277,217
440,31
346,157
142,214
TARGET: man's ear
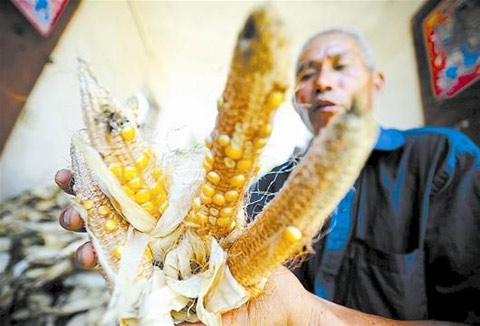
x,y
379,83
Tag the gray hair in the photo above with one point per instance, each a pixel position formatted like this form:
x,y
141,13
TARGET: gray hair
x,y
361,40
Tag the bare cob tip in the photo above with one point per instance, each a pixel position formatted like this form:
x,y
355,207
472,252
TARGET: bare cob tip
x,y
257,21
259,27
84,71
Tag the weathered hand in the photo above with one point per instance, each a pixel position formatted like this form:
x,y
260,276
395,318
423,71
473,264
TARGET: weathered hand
x,y
70,220
284,302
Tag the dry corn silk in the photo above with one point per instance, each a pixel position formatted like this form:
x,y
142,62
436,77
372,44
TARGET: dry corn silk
x,y
171,235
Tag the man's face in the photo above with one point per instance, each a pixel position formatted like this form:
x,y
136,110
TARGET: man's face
x,y
331,71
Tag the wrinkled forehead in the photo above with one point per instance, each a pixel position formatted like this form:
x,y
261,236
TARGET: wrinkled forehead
x,y
331,45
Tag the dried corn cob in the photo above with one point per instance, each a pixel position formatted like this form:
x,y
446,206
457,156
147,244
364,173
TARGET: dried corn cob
x,y
107,229
114,135
312,192
254,90
190,257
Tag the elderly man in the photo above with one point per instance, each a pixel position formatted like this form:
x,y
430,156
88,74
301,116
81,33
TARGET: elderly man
x,y
403,244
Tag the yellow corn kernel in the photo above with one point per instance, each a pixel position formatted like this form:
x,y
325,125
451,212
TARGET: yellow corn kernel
x,y
291,234
135,183
244,165
219,199
117,170
234,152
201,217
197,204
224,222
209,157
229,163
142,162
231,195
226,212
149,207
275,99
88,204
128,133
130,172
142,196
266,130
223,140
128,191
157,173
213,177
157,189
213,211
118,251
103,210
232,226
260,143
238,180
208,142
110,225
208,190
204,199
206,166
163,207
161,197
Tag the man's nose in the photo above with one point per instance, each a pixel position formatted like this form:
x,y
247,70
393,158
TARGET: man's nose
x,y
324,81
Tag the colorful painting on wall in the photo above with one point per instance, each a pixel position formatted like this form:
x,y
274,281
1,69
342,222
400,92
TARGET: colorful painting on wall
x,y
446,36
452,39
42,14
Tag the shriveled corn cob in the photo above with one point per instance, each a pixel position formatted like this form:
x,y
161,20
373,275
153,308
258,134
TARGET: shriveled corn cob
x,y
255,88
107,229
314,189
114,135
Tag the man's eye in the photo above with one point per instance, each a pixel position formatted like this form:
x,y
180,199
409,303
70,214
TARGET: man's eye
x,y
339,66
306,75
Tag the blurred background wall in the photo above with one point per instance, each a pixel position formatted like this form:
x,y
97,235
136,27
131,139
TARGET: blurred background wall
x,y
178,53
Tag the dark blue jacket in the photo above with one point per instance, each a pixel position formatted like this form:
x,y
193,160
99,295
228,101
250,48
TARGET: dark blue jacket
x,y
404,243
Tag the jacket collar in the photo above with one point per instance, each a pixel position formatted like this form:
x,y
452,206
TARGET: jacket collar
x,y
389,139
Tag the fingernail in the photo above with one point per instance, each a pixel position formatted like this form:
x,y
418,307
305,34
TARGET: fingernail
x,y
59,184
67,216
79,257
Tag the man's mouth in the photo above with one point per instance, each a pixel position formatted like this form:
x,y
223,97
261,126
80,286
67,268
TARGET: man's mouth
x,y
327,106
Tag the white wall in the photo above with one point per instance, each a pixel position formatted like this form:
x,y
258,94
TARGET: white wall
x,y
179,52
